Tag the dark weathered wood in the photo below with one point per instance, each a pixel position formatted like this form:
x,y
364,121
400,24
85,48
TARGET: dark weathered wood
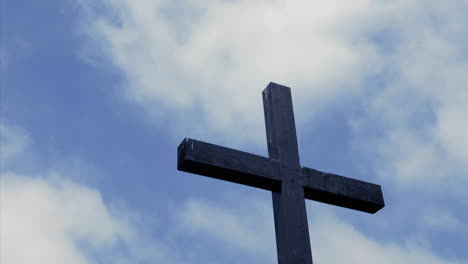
x,y
342,191
292,232
280,125
282,174
226,164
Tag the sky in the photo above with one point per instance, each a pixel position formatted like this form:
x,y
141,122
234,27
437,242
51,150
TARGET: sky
x,y
97,95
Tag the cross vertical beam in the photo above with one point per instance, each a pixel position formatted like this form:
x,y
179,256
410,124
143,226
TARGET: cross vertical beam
x,y
280,125
292,232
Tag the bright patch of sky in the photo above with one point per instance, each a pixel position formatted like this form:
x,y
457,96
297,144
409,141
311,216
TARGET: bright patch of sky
x,y
95,98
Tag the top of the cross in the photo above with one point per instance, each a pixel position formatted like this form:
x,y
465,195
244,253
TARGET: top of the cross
x,y
280,125
273,85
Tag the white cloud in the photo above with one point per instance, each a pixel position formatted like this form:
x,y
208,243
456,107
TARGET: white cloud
x,y
422,111
54,220
215,57
336,241
45,220
251,231
203,65
13,141
51,219
48,220
437,218
333,240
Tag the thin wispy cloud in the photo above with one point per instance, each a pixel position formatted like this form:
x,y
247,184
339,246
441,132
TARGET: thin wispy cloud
x,y
14,141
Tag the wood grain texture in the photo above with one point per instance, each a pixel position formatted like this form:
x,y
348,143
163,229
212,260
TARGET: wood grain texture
x,y
292,232
342,191
227,164
280,125
282,174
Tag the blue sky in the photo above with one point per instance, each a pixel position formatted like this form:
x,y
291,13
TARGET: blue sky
x,y
96,97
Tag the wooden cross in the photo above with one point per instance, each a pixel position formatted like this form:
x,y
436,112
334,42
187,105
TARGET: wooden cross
x,y
282,174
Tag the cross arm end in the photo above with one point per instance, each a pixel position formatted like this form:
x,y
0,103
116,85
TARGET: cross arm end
x,y
342,191
227,164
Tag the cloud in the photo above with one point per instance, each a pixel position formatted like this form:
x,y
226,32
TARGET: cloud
x,y
14,144
54,220
47,217
201,66
58,221
437,218
208,62
250,232
336,241
14,141
44,220
420,112
235,223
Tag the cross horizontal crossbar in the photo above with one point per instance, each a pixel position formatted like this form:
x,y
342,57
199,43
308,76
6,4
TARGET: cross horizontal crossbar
x,y
226,164
342,191
256,171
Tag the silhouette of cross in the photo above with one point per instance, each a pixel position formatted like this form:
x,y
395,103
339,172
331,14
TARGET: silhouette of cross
x,y
282,174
